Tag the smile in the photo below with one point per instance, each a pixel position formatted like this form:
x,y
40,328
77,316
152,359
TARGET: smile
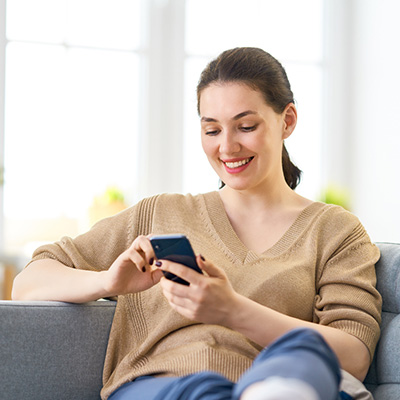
x,y
237,164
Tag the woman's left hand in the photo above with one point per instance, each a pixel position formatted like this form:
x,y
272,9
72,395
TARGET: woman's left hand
x,y
209,298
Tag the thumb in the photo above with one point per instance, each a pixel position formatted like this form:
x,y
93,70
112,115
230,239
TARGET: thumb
x,y
156,276
209,268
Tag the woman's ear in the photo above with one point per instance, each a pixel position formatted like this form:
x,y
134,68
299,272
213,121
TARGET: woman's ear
x,y
290,120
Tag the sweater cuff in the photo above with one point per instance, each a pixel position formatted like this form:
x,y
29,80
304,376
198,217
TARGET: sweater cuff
x,y
368,335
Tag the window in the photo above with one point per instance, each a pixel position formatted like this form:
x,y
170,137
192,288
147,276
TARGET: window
x,y
102,92
72,110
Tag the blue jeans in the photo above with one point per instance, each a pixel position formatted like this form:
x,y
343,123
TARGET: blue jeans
x,y
301,354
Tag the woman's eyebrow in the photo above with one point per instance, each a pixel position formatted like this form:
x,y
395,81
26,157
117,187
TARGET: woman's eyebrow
x,y
235,118
207,119
243,114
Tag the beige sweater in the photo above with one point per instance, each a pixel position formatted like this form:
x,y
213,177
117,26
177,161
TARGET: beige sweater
x,y
321,270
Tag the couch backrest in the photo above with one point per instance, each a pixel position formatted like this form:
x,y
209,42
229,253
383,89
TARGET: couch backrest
x,y
383,378
38,358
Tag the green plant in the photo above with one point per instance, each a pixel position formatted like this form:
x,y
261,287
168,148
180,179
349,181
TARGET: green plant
x,y
113,194
336,194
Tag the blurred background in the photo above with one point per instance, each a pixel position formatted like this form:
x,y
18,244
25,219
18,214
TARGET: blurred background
x,y
98,106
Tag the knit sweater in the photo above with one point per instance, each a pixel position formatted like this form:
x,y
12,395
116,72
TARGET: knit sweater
x,y
321,270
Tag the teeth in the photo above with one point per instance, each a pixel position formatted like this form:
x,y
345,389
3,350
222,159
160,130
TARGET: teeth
x,y
237,164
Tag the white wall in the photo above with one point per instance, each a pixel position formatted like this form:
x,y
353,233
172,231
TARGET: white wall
x,y
362,102
375,115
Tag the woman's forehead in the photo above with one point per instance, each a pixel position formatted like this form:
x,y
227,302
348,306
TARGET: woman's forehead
x,y
232,96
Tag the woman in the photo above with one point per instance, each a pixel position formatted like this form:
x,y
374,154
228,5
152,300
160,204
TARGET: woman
x,y
281,272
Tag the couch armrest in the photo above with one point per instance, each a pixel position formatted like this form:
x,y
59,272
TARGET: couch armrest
x,y
383,378
53,350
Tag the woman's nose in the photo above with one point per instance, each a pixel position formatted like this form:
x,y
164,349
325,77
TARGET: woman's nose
x,y
229,143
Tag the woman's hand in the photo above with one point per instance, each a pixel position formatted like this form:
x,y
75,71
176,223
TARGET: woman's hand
x,y
210,298
133,270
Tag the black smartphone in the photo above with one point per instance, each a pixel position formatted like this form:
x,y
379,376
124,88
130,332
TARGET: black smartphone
x,y
175,248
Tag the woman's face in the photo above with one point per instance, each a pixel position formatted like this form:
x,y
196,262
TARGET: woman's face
x,y
242,136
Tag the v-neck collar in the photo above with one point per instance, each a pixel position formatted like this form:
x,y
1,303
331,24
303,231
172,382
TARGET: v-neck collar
x,y
226,234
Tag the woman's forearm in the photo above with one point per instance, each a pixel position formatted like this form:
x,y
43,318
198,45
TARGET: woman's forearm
x,y
50,280
353,355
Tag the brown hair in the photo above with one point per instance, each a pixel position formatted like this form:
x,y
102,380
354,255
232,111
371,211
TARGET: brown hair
x,y
262,72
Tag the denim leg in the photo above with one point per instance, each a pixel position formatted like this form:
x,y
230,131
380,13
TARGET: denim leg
x,y
143,388
200,386
300,354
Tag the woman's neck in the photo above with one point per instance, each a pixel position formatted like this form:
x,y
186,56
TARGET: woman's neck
x,y
268,199
261,218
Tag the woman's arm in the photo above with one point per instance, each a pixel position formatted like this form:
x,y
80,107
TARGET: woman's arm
x,y
49,279
353,355
211,299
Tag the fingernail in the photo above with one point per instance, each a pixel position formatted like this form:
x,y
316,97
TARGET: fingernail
x,y
143,269
202,258
158,263
151,261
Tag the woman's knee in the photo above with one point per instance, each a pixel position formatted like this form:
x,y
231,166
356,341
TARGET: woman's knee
x,y
299,340
300,354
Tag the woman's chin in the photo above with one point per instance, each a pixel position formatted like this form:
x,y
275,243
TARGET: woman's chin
x,y
236,184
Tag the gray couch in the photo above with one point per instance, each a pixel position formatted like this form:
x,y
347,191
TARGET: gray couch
x,y
55,351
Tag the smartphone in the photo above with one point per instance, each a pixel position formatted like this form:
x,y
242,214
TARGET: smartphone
x,y
175,248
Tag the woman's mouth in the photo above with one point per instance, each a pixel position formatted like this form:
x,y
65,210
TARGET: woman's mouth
x,y
235,166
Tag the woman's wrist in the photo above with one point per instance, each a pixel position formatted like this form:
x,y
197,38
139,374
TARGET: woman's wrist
x,y
238,317
103,286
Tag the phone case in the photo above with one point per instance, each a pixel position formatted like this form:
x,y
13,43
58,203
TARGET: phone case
x,y
175,248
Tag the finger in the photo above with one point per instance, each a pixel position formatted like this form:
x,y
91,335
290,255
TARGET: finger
x,y
175,293
135,257
136,254
181,270
209,268
156,275
183,304
174,288
143,246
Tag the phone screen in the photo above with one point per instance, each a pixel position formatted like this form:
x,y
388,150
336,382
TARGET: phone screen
x,y
175,248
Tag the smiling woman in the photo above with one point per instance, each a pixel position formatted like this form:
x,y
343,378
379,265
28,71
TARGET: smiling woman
x,y
234,331
262,81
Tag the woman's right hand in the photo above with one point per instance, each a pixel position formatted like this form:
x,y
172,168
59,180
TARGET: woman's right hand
x,y
133,270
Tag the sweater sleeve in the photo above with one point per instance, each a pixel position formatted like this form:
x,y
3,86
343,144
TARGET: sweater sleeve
x,y
97,249
346,297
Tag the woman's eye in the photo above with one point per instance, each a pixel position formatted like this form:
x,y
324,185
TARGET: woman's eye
x,y
212,133
248,128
